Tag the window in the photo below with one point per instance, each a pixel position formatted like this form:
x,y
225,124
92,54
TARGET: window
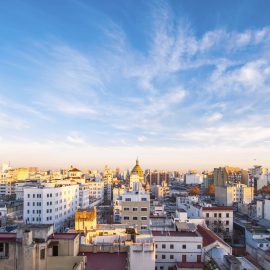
x,y
135,209
199,247
34,195
171,257
55,250
156,245
126,208
1,247
135,218
227,215
215,215
28,195
42,254
227,222
144,199
207,214
128,199
144,209
199,258
143,218
163,246
184,246
126,218
163,256
171,246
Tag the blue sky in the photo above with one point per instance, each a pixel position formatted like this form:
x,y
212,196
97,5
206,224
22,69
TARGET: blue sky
x,y
181,84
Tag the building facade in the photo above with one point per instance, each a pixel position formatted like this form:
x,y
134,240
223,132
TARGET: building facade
x,y
50,204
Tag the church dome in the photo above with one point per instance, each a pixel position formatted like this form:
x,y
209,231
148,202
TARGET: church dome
x,y
137,169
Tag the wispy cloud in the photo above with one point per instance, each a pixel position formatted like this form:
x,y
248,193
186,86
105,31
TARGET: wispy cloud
x,y
76,138
181,89
7,121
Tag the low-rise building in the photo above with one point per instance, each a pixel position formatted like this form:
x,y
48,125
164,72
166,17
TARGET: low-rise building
x,y
178,248
36,247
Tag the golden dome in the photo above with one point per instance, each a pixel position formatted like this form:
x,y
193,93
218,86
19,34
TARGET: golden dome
x,y
137,169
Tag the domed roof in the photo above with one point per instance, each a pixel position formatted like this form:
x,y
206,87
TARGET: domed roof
x,y
137,169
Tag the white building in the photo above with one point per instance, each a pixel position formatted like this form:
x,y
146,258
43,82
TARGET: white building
x,y
263,209
182,249
217,218
50,204
237,193
193,178
84,193
133,207
96,189
260,177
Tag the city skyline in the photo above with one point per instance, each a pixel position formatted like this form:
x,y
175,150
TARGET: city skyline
x,y
95,84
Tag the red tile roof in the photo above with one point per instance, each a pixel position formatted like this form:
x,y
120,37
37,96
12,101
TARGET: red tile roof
x,y
8,237
190,265
218,208
106,261
209,237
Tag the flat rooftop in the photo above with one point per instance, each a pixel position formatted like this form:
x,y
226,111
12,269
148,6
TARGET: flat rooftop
x,y
174,233
64,236
8,237
106,261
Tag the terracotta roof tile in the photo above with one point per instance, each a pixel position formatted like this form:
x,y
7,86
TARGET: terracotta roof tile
x,y
209,237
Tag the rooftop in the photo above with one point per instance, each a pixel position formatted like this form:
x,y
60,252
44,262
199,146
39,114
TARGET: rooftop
x,y
190,265
8,237
174,233
209,237
106,261
64,236
218,208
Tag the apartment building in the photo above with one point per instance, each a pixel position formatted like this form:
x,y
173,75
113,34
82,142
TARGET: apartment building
x,y
50,204
183,249
133,207
193,178
84,193
96,189
224,176
263,209
259,177
237,193
218,218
